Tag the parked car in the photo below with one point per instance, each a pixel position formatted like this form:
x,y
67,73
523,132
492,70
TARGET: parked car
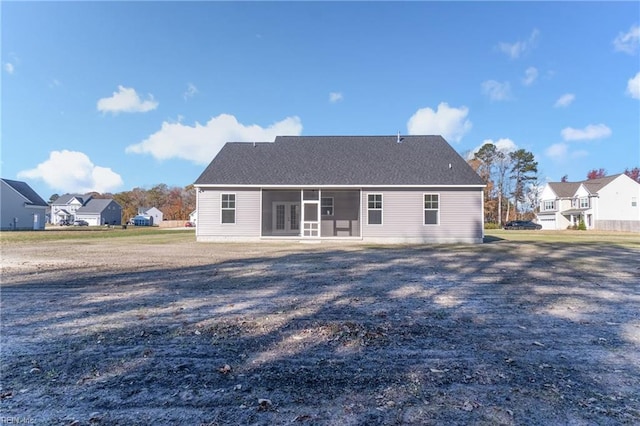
x,y
522,224
188,224
80,223
64,223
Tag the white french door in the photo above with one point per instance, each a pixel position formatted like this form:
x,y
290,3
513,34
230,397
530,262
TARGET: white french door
x,y
286,217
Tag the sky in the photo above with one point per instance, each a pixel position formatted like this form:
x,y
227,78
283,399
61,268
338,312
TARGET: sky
x,y
109,96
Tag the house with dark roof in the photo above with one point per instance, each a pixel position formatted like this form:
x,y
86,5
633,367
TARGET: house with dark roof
x,y
395,189
21,208
99,211
63,209
609,203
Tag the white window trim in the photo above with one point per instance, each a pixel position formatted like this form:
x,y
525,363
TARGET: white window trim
x,y
424,209
553,205
587,203
235,204
333,207
381,209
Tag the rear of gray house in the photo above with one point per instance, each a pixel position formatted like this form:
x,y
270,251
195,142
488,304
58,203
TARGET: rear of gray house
x,y
383,189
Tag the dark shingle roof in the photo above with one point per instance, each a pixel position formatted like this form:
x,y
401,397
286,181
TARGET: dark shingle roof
x,y
94,206
66,198
27,192
568,189
340,160
564,189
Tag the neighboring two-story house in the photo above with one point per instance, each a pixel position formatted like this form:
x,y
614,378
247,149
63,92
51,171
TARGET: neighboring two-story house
x,y
63,210
70,207
609,203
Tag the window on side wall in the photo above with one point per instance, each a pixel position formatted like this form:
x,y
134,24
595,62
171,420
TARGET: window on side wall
x,y
326,206
374,209
431,209
228,208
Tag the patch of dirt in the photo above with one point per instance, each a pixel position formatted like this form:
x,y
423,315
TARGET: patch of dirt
x,y
212,334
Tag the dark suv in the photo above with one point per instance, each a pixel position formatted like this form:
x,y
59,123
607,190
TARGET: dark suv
x,y
522,224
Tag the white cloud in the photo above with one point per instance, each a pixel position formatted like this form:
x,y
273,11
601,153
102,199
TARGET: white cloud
x,y
497,91
191,91
565,100
560,152
73,171
335,97
517,49
451,123
200,144
633,87
126,100
592,131
9,68
530,75
557,152
628,42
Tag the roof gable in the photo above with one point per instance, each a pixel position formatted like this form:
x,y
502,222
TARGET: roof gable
x,y
26,192
67,199
592,186
340,160
96,205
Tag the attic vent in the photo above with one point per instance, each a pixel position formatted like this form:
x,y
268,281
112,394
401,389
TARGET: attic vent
x,y
399,140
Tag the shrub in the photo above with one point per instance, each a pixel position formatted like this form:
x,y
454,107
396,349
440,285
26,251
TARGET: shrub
x,y
491,225
581,225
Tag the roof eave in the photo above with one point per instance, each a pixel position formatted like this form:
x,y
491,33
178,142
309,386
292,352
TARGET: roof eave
x,y
368,185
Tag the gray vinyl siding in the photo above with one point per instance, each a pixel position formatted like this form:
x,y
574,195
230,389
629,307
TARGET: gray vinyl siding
x,y
460,216
210,226
15,214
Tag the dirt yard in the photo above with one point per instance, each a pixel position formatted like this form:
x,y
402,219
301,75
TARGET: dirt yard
x,y
116,332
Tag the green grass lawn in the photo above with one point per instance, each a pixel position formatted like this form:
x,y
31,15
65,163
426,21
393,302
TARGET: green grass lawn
x,y
160,235
96,233
564,236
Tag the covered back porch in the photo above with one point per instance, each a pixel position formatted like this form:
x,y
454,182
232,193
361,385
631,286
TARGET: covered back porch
x,y
311,213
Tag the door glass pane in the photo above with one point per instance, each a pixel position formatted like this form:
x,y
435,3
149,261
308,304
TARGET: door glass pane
x,y
311,212
295,217
280,217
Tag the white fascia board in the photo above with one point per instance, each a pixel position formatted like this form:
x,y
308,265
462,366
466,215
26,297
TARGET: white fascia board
x,y
333,186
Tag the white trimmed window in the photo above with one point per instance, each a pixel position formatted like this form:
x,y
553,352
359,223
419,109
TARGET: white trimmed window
x,y
228,208
431,209
374,209
584,202
326,206
549,205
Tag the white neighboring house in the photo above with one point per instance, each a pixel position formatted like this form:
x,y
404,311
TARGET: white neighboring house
x,y
20,207
609,203
193,217
100,212
65,207
155,215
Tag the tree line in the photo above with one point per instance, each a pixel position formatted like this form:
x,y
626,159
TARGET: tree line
x,y
512,183
176,203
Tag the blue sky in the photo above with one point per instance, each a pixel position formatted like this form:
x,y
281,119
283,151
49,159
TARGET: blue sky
x,y
110,96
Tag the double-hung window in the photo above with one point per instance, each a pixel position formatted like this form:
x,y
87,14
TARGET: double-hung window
x,y
549,205
228,208
374,209
431,209
326,206
584,202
